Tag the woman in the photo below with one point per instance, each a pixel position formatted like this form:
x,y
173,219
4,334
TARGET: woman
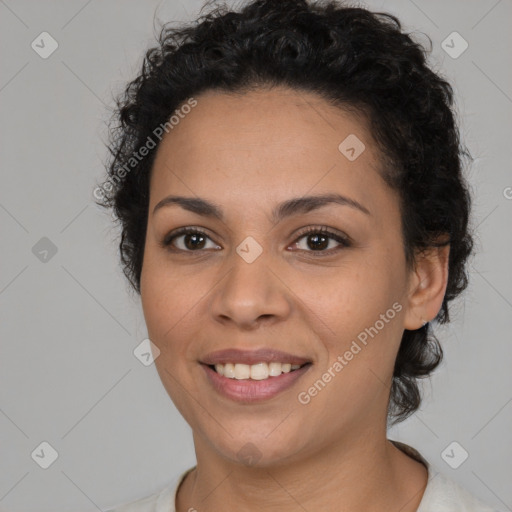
x,y
294,216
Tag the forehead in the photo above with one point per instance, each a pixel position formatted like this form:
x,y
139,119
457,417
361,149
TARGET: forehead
x,y
267,145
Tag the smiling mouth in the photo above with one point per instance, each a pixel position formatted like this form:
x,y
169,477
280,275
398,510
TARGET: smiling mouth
x,y
250,384
259,371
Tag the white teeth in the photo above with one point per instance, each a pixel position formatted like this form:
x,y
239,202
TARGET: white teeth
x,y
242,371
229,370
260,371
274,369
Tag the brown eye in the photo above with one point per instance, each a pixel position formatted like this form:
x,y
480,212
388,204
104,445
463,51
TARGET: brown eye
x,y
188,240
317,241
194,241
321,240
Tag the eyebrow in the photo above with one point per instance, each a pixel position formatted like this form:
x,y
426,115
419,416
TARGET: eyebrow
x,y
285,209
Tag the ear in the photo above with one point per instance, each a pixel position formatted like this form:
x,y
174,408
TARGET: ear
x,y
427,286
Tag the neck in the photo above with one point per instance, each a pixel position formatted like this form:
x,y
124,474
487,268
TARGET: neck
x,y
365,472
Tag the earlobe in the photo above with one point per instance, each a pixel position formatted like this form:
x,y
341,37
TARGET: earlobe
x,y
428,281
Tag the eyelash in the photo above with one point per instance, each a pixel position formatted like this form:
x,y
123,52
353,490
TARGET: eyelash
x,y
344,241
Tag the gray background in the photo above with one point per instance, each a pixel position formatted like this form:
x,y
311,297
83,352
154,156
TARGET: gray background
x,y
68,326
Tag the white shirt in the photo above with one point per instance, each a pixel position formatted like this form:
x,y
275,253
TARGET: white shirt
x,y
441,494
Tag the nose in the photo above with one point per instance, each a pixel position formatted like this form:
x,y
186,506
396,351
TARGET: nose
x,y
251,294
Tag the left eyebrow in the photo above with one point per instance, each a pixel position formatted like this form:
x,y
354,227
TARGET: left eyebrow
x,y
285,209
308,203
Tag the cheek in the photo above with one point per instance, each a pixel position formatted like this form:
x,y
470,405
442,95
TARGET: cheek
x,y
168,304
167,296
173,301
354,294
359,311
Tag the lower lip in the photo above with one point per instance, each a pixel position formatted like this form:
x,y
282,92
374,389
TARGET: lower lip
x,y
248,390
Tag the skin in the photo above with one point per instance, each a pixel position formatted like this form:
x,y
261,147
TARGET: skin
x,y
247,153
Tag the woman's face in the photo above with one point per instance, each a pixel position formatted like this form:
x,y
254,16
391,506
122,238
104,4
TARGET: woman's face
x,y
254,279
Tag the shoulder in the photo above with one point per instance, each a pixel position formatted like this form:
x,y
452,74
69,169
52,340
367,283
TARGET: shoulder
x,y
445,495
147,504
161,501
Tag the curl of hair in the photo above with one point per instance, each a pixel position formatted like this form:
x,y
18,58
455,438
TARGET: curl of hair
x,y
353,58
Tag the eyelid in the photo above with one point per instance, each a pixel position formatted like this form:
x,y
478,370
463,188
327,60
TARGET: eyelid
x,y
166,242
343,240
325,230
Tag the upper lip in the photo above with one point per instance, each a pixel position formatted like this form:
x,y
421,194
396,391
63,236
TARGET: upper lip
x,y
264,355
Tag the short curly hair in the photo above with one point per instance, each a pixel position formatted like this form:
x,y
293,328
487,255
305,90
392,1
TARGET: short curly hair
x,y
351,57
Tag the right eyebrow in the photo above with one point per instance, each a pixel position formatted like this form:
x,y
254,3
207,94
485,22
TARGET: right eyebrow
x,y
192,204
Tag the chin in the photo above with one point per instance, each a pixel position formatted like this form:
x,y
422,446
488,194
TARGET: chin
x,y
262,449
